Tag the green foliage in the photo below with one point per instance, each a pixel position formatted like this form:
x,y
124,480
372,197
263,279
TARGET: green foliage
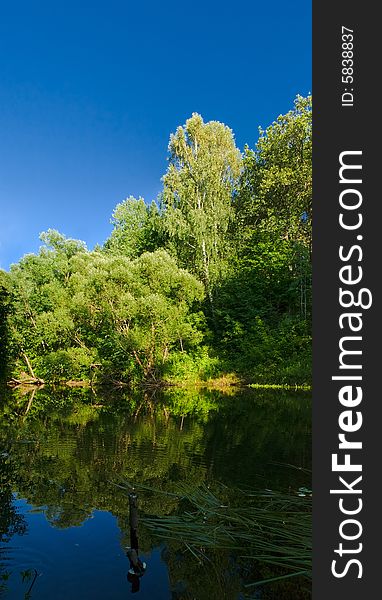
x,y
72,452
263,308
41,319
62,365
269,527
195,366
137,228
5,308
138,310
128,314
198,189
275,192
216,280
62,246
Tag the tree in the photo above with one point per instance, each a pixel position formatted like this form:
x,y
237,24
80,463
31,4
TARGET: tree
x,y
58,244
135,311
274,202
275,193
198,188
41,320
137,228
5,309
234,232
75,310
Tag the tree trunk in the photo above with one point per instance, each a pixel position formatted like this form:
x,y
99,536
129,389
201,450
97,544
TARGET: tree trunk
x,y
207,278
31,372
30,402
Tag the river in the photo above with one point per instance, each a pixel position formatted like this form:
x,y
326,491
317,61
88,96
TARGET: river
x,y
69,457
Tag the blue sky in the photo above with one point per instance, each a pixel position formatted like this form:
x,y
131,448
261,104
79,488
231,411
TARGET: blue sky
x,y
90,92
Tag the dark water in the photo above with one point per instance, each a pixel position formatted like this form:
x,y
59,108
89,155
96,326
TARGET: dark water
x,y
64,521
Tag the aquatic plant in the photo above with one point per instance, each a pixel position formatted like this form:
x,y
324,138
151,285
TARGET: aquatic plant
x,y
265,527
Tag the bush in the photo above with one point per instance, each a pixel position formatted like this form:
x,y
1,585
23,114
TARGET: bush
x,y
73,363
190,367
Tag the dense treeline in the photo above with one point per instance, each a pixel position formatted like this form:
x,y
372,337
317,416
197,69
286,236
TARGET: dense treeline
x,y
213,277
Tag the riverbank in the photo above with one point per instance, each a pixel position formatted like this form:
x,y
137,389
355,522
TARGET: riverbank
x,y
224,383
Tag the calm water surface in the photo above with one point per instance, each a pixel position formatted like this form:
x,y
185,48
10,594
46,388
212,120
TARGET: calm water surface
x,y
64,521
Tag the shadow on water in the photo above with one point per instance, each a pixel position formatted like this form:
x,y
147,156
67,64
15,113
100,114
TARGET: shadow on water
x,y
12,522
65,450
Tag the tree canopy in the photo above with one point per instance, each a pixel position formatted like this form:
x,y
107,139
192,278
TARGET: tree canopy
x,y
276,184
213,277
204,167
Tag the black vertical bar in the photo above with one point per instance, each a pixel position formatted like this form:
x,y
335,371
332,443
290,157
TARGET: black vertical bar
x,y
346,118
133,517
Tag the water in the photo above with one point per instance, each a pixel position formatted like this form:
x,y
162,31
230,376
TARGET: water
x,y
64,520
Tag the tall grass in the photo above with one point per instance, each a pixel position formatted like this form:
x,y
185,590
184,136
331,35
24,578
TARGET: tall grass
x,y
266,527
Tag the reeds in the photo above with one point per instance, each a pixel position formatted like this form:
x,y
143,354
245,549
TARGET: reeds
x,y
267,527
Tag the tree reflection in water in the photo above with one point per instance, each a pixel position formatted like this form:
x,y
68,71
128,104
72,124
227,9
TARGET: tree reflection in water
x,y
70,448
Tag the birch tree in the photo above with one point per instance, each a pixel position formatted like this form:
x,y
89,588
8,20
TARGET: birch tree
x,y
204,166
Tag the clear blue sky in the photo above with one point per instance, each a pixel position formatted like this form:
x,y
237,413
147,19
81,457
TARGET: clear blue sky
x,y
90,92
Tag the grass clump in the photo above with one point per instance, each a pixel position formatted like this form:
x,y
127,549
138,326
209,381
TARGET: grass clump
x,y
267,527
